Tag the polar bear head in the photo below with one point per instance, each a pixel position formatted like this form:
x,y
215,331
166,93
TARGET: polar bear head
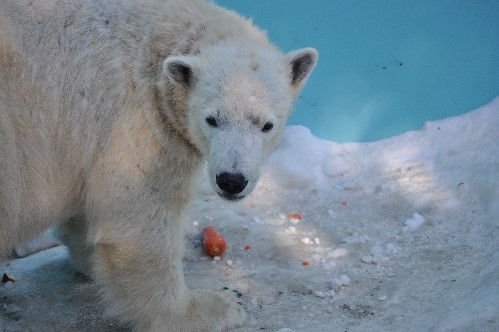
x,y
237,100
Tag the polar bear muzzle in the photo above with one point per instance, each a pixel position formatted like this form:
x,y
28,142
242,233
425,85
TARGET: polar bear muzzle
x,y
231,185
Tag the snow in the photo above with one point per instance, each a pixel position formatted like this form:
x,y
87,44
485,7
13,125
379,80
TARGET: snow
x,y
297,161
395,235
414,223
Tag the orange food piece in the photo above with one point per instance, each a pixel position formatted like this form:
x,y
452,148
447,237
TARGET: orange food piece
x,y
213,242
294,216
305,263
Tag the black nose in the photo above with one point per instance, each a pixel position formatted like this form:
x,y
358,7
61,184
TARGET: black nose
x,y
231,183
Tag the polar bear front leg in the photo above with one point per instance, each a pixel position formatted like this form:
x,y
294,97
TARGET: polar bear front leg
x,y
73,234
140,273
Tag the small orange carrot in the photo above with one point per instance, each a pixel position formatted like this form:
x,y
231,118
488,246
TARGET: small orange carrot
x,y
294,216
213,241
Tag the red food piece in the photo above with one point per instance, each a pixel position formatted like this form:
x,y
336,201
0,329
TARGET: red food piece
x,y
294,216
213,242
305,263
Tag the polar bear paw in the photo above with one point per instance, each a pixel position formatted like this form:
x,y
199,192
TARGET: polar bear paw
x,y
216,311
206,311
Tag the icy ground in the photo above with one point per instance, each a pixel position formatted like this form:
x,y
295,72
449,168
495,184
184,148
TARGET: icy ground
x,y
396,235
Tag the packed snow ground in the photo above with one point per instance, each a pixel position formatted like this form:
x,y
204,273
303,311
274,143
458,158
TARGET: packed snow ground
x,y
396,235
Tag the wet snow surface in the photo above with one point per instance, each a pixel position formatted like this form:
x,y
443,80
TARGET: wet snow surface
x,y
396,235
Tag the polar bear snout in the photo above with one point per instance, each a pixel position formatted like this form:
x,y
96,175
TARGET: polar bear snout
x,y
231,184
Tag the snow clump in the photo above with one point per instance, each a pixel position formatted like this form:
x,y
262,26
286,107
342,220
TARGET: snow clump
x,y
414,223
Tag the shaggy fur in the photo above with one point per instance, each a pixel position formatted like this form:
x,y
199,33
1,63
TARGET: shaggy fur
x,y
107,110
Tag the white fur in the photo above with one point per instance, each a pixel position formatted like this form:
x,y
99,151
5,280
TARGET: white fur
x,y
103,127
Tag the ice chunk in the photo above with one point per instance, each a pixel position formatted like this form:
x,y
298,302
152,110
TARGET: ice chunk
x,y
257,221
338,283
305,240
414,223
337,253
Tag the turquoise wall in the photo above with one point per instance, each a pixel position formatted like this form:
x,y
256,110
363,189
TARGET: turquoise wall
x,y
386,66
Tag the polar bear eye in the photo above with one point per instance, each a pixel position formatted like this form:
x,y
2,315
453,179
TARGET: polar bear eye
x,y
267,127
211,121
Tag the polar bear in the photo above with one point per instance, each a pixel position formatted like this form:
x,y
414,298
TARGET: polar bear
x,y
107,111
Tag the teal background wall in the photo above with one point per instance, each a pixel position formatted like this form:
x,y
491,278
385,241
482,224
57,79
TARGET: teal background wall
x,y
386,66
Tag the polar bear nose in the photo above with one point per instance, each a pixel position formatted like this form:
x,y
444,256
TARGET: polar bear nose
x,y
231,183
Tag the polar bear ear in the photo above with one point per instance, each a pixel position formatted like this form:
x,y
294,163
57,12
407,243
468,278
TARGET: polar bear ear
x,y
180,69
302,62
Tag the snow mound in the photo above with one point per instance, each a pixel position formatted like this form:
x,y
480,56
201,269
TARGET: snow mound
x,y
304,161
